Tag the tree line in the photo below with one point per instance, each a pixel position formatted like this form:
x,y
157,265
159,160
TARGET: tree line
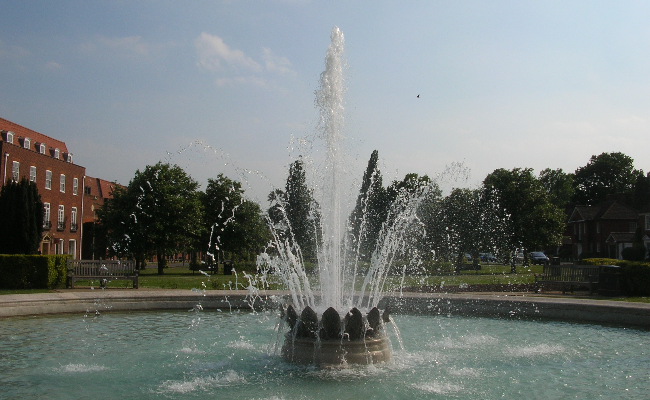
x,y
162,212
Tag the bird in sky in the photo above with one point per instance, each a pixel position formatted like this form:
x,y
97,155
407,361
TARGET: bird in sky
x,y
418,96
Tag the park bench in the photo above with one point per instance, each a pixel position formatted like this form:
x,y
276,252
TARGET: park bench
x,y
101,270
569,276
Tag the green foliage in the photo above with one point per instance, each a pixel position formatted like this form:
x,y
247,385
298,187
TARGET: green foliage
x,y
370,211
32,271
535,222
158,213
294,212
634,278
21,213
558,185
607,173
232,223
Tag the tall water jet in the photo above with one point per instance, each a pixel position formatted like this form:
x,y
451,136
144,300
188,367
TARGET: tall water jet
x,y
329,100
357,335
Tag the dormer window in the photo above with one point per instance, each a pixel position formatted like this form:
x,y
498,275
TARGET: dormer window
x,y
9,137
57,153
27,143
41,148
68,157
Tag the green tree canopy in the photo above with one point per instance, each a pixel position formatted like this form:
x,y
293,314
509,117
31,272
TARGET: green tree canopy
x,y
232,223
21,218
559,186
535,222
607,173
294,212
369,212
159,213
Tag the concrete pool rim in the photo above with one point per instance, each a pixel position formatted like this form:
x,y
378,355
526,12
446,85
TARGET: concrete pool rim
x,y
500,305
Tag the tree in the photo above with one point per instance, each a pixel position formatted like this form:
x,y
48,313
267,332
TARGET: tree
x,y
159,212
295,212
559,186
370,210
641,197
607,173
534,221
232,223
21,216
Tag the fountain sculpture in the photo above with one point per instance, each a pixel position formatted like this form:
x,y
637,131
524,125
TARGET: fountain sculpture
x,y
357,337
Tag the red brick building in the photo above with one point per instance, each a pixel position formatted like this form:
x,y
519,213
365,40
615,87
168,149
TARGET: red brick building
x,y
603,230
48,163
96,193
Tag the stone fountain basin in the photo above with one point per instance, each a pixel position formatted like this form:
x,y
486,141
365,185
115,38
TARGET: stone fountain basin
x,y
336,353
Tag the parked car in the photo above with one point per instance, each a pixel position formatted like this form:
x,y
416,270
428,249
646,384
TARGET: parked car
x,y
537,257
487,257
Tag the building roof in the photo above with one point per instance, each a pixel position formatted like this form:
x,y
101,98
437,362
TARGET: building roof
x,y
620,237
100,187
609,210
36,137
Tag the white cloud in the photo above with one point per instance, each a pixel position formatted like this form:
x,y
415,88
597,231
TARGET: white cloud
x,y
15,52
212,51
275,63
129,44
250,80
53,66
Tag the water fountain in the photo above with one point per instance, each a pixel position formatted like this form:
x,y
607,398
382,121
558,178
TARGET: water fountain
x,y
356,337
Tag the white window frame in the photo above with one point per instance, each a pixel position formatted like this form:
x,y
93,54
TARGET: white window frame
x,y
46,215
69,158
75,186
57,153
48,179
15,171
73,218
10,137
32,174
62,183
41,148
27,143
61,219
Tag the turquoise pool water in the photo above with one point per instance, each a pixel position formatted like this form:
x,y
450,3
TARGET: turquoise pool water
x,y
187,355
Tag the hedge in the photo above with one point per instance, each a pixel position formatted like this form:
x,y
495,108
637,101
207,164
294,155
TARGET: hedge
x,y
635,275
32,271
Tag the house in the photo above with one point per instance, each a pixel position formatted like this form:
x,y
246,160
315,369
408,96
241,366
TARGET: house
x,y
97,192
47,162
603,230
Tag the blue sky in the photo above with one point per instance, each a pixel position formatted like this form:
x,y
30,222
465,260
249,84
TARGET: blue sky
x,y
228,86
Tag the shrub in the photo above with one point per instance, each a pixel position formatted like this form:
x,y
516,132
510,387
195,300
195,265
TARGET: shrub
x,y
32,271
635,276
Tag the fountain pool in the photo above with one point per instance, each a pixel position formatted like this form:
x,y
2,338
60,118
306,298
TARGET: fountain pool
x,y
180,355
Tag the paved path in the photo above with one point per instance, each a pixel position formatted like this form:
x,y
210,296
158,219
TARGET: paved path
x,y
511,305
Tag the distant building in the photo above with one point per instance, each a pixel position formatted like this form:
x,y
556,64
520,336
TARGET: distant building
x,y
605,229
61,183
97,192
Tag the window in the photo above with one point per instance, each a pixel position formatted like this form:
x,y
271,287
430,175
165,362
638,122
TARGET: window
x,y
87,189
10,137
27,143
62,184
632,227
15,171
61,221
597,227
68,157
41,148
647,222
56,153
48,180
75,186
46,216
32,174
73,219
